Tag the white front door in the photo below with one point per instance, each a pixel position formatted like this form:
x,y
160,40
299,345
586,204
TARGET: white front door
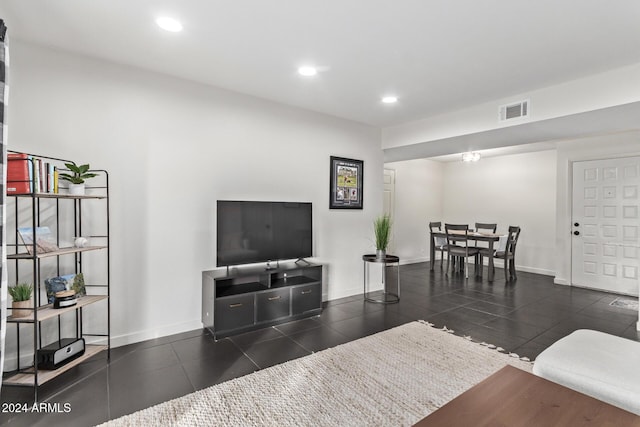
x,y
605,224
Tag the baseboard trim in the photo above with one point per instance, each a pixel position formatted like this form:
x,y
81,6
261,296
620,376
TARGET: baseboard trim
x,y
524,268
560,281
148,334
536,270
414,260
343,294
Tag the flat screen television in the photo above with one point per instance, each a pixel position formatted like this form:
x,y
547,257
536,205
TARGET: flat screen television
x,y
251,232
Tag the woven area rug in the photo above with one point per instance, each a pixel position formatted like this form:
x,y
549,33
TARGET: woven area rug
x,y
628,303
392,378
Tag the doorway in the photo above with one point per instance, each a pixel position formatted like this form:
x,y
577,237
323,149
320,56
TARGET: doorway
x,y
388,199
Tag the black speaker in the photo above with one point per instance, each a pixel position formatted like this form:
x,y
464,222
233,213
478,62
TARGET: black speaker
x,y
60,353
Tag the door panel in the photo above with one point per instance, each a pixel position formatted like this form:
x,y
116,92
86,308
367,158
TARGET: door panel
x,y
606,224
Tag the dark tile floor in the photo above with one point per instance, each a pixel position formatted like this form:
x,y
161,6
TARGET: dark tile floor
x,y
524,316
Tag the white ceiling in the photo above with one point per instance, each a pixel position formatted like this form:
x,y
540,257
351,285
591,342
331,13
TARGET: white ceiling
x,y
437,56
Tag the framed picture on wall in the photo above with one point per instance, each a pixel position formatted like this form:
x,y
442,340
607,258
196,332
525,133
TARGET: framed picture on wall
x,y
345,186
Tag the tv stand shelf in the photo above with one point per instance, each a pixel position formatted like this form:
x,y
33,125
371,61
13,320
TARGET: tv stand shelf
x,y
224,290
248,298
291,281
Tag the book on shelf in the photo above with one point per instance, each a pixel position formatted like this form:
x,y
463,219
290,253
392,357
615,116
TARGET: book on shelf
x,y
28,174
18,181
45,241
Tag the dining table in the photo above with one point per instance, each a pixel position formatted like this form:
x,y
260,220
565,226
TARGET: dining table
x,y
478,236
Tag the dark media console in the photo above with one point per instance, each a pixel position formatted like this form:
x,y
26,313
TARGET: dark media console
x,y
248,298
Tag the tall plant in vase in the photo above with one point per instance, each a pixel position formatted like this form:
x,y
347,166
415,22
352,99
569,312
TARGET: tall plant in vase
x,y
77,177
382,231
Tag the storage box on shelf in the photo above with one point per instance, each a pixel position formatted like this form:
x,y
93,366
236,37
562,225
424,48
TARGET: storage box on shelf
x,y
35,199
252,297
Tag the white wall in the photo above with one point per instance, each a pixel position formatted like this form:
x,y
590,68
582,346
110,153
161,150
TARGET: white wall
x,y
594,148
611,88
418,200
173,148
509,190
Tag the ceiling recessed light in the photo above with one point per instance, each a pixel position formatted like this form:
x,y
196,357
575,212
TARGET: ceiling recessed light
x,y
472,156
307,71
390,99
169,24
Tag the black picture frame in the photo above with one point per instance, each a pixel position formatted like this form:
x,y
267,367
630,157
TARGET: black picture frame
x,y
346,183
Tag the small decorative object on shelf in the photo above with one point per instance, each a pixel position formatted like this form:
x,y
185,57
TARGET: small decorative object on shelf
x,y
382,231
45,240
69,282
76,180
64,299
22,303
80,242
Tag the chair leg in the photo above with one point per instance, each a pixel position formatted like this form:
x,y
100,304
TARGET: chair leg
x,y
466,267
506,268
512,268
446,270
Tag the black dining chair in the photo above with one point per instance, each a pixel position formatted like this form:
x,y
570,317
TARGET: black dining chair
x,y
458,242
439,242
484,227
506,251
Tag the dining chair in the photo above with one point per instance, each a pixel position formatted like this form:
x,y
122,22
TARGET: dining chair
x,y
439,242
484,227
506,250
458,243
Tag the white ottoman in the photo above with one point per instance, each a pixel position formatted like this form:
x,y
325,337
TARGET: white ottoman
x,y
597,364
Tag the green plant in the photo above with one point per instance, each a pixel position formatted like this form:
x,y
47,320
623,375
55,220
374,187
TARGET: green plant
x,y
80,173
21,292
382,230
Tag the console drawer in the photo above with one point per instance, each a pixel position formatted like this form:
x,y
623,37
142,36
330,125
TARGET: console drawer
x,y
306,298
272,305
234,312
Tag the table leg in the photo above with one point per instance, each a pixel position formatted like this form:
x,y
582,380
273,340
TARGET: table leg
x,y
398,279
364,280
432,251
491,269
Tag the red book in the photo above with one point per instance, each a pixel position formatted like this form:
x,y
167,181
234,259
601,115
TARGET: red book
x,y
17,173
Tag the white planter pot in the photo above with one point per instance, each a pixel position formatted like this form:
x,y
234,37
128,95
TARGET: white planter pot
x,y
76,189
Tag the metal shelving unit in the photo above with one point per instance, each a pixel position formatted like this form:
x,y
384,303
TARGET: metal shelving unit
x,y
65,215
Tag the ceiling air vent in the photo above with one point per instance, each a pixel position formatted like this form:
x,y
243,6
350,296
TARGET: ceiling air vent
x,y
517,110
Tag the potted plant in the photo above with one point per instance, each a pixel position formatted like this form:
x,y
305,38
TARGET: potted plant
x,y
382,230
21,295
77,177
